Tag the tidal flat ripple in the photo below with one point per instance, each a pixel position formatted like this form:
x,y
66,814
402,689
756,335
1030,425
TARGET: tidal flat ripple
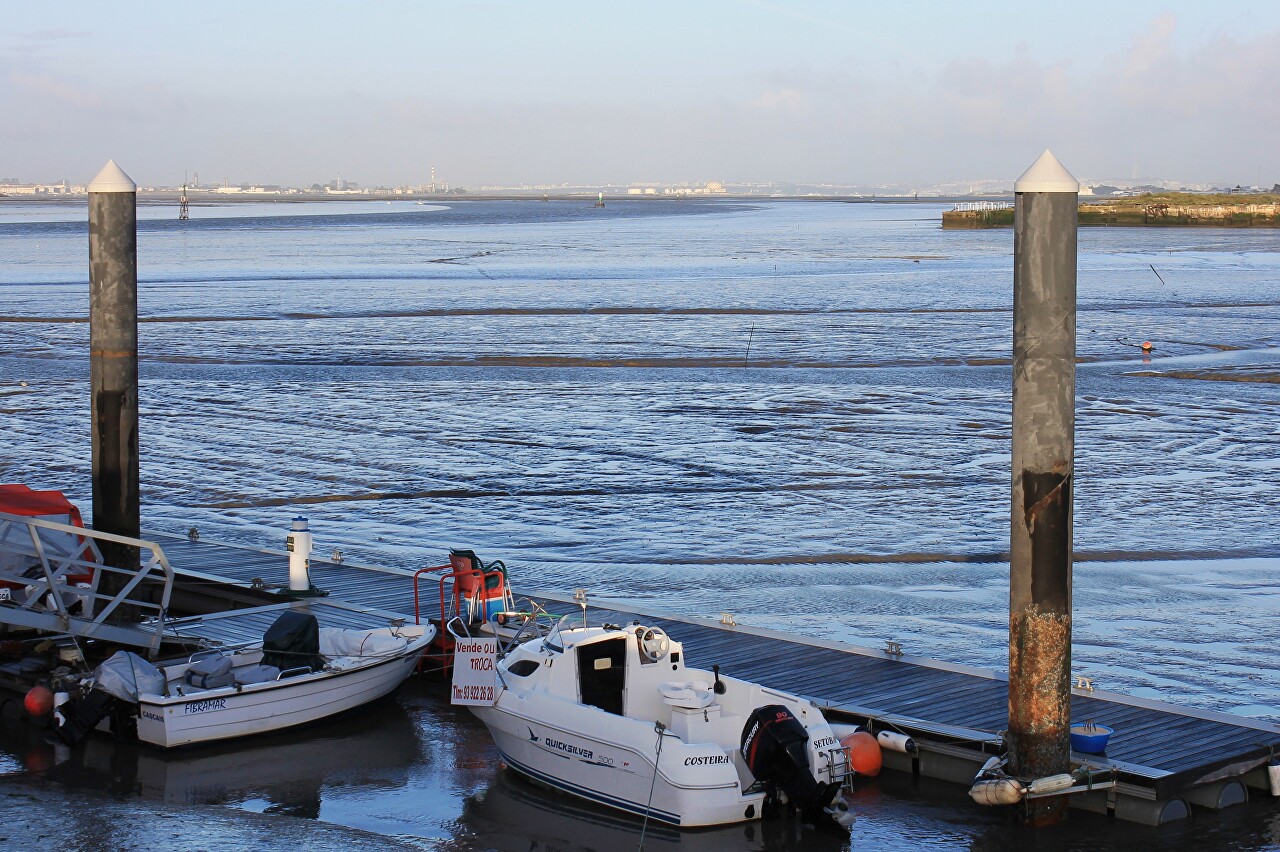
x,y
795,411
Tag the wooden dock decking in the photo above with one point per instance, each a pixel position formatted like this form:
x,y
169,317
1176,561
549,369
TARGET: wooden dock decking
x,y
1162,754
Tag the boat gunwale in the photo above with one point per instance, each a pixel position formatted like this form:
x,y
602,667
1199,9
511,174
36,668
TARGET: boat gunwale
x,y
231,690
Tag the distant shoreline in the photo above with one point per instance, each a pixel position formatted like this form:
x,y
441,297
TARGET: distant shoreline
x,y
1166,210
205,199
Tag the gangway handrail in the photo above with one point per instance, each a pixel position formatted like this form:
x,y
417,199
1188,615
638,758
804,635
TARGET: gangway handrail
x,y
417,613
56,567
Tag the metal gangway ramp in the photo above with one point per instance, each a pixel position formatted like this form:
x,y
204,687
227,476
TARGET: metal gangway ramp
x,y
42,566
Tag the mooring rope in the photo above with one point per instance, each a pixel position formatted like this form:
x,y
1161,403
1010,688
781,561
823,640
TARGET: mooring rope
x,y
661,730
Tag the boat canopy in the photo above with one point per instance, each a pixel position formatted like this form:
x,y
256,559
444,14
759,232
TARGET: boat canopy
x,y
18,499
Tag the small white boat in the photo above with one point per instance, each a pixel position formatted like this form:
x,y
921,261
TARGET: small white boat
x,y
256,701
613,715
219,695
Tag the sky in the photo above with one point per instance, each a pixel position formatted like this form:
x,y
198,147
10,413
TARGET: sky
x,y
549,92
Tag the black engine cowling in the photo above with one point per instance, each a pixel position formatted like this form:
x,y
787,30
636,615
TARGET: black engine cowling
x,y
80,715
775,746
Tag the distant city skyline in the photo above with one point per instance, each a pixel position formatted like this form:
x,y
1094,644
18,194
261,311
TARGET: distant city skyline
x,y
508,93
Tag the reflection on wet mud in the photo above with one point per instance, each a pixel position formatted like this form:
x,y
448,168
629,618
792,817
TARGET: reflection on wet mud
x,y
414,767
515,814
286,770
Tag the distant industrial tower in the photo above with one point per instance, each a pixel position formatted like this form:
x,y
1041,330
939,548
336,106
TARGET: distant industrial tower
x,y
182,204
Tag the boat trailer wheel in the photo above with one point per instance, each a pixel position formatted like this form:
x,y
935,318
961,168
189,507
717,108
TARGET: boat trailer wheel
x,y
654,644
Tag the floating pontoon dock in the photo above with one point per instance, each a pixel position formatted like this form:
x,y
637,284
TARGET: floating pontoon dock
x,y
1162,759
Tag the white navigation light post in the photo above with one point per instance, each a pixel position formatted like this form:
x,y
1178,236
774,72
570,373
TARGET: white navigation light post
x,y
299,545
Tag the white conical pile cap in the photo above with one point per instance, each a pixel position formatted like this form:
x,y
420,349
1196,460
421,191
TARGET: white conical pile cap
x,y
112,179
1047,175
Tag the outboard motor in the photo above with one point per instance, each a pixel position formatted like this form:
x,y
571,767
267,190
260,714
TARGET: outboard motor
x,y
78,716
775,746
293,641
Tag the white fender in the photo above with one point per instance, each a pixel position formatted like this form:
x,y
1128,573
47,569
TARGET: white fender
x,y
896,742
997,791
1050,783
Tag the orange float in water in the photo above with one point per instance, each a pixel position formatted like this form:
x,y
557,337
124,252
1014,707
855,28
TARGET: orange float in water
x,y
39,701
864,753
1146,346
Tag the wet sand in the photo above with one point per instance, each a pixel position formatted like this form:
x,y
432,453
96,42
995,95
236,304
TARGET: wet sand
x,y
41,815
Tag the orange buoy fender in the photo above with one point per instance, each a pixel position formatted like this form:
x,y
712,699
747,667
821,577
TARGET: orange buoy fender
x,y
864,753
39,701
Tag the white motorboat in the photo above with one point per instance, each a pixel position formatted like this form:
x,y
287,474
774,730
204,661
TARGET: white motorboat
x,y
298,675
613,715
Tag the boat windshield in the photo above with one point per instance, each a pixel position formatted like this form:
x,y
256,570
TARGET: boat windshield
x,y
553,642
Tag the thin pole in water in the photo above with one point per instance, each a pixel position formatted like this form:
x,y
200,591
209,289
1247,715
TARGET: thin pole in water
x,y
747,360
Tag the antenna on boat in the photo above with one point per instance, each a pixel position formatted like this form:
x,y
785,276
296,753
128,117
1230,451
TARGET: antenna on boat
x,y
580,595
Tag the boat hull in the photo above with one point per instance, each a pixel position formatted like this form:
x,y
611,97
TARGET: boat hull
x,y
698,787
226,713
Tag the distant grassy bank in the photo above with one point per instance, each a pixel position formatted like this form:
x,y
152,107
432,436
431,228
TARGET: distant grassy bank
x,y
1165,209
1190,199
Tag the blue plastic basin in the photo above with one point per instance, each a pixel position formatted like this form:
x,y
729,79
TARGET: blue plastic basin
x,y
1090,739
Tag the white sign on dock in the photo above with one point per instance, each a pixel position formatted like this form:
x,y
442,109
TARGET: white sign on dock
x,y
475,676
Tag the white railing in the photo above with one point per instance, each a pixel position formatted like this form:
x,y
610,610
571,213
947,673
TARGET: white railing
x,y
968,206
40,558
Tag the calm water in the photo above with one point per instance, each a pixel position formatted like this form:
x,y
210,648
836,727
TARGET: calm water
x,y
795,411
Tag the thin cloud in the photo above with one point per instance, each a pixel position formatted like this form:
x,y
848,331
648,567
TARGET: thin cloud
x,y
782,98
52,35
47,86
